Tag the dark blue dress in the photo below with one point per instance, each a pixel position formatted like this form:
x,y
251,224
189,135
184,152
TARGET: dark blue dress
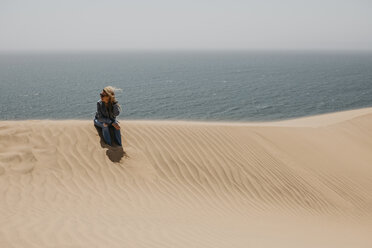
x,y
107,115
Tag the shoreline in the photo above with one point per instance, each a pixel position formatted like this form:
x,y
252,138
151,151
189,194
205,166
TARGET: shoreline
x,y
317,120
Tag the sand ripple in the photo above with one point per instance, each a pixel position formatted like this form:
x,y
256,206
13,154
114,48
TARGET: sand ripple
x,y
188,184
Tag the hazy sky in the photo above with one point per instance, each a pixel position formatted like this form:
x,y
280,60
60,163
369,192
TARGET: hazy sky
x,y
186,24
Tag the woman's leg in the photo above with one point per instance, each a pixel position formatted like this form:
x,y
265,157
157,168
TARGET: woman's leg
x,y
105,131
117,136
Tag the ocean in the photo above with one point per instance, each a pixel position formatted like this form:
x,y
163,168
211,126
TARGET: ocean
x,y
185,85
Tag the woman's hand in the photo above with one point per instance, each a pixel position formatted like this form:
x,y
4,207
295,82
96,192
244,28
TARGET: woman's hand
x,y
116,125
105,124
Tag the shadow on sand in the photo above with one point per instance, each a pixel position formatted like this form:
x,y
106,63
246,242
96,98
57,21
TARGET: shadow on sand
x,y
114,152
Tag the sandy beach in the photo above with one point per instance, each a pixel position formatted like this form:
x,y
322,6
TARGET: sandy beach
x,y
305,182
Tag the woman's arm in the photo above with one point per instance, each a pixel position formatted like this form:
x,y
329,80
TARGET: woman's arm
x,y
115,109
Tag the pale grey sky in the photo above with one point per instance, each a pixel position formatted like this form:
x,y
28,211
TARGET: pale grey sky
x,y
186,24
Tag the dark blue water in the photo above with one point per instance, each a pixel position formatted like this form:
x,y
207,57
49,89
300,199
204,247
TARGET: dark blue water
x,y
226,85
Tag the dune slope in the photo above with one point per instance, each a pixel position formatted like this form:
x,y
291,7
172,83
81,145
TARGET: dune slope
x,y
305,182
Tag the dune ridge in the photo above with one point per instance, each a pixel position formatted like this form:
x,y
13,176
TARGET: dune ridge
x,y
304,182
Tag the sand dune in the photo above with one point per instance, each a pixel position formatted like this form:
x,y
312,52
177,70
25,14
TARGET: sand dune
x,y
305,182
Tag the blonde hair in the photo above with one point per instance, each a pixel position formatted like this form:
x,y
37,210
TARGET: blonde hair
x,y
110,90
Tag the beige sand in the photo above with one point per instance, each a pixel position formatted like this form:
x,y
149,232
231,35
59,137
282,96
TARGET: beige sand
x,y
305,182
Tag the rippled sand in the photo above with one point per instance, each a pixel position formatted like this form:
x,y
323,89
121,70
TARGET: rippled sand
x,y
305,182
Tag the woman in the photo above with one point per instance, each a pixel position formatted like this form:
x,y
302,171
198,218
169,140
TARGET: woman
x,y
107,110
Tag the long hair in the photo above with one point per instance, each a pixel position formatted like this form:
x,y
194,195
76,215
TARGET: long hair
x,y
110,90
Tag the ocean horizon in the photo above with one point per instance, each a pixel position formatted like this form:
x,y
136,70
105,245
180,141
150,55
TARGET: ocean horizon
x,y
185,85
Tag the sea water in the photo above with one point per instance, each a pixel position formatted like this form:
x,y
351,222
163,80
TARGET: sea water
x,y
187,85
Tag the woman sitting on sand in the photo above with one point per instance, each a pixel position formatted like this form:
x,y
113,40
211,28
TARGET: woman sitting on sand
x,y
107,110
